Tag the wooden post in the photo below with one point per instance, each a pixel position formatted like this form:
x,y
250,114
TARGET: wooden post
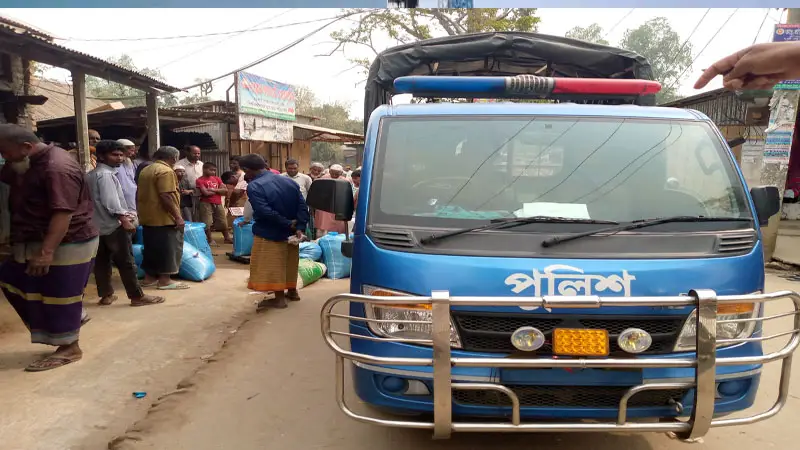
x,y
81,120
153,134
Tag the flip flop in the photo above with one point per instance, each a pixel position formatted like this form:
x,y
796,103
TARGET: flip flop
x,y
149,285
152,300
49,363
173,287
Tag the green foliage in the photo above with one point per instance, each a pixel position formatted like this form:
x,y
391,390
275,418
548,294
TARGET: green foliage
x,y
108,90
656,41
593,33
332,115
416,24
664,49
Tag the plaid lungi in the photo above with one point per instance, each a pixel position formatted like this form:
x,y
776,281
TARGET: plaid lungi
x,y
50,306
273,265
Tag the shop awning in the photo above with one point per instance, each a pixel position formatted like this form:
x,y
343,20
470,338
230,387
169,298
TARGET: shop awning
x,y
307,132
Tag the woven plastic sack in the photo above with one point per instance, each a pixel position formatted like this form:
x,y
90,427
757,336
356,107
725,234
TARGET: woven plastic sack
x,y
242,238
338,264
310,250
138,239
308,272
195,265
195,234
137,256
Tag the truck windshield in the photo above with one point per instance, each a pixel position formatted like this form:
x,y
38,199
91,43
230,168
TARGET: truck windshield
x,y
469,168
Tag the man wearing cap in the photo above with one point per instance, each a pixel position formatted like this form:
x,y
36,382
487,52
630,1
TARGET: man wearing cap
x,y
126,174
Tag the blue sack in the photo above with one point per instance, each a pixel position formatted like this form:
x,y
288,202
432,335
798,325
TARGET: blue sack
x,y
242,238
338,264
195,234
195,265
310,250
139,238
137,256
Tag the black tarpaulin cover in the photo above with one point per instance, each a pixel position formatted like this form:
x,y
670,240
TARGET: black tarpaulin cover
x,y
500,54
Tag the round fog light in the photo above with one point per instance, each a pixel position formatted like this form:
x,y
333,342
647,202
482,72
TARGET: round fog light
x,y
634,340
527,339
394,385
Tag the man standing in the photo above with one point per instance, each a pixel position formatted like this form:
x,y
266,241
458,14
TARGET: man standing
x,y
162,225
53,242
186,191
116,221
302,180
279,213
212,213
126,174
94,138
194,170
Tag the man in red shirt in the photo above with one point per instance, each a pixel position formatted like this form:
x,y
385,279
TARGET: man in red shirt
x,y
211,211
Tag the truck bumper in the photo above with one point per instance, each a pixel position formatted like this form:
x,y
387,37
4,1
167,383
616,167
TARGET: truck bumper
x,y
436,379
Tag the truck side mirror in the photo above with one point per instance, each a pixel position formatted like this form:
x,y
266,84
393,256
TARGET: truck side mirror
x,y
768,202
333,196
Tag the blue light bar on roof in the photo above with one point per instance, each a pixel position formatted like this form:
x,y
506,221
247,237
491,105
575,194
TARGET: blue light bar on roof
x,y
520,86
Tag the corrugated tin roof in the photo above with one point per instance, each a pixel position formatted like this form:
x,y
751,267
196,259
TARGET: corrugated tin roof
x,y
29,41
317,133
26,27
60,102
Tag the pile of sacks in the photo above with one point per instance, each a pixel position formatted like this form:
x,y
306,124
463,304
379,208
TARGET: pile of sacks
x,y
322,257
197,262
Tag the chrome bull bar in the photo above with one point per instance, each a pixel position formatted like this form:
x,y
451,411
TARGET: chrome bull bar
x,y
442,362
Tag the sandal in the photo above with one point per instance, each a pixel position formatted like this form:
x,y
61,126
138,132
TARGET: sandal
x,y
271,303
51,362
148,285
174,287
105,301
148,300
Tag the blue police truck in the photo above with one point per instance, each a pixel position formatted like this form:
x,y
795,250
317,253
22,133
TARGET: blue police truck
x,y
538,250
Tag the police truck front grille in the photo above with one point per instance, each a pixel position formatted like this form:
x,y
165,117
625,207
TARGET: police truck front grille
x,y
569,396
491,332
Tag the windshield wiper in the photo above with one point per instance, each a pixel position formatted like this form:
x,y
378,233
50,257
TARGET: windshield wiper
x,y
641,223
510,222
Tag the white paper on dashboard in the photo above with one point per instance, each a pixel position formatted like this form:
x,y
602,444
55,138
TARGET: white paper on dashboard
x,y
568,210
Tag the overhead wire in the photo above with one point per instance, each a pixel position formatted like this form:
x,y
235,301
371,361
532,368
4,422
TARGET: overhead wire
x,y
226,38
203,35
677,79
276,52
755,38
618,22
688,38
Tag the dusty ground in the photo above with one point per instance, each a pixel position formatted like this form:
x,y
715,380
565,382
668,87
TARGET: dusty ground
x,y
148,349
271,387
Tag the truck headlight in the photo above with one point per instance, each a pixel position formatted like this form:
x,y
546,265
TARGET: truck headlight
x,y
395,317
687,340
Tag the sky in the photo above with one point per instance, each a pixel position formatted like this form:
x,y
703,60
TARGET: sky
x,y
332,78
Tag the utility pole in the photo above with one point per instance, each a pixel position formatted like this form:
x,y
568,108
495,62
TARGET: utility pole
x,y
781,132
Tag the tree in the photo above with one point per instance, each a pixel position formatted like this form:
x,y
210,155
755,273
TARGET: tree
x,y
669,56
104,89
411,25
593,33
334,115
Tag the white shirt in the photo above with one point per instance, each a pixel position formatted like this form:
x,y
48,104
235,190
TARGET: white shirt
x,y
193,170
302,180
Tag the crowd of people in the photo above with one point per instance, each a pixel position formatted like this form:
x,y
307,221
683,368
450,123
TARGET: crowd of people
x,y
67,225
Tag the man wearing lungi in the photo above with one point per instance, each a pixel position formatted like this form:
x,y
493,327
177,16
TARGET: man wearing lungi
x,y
279,213
161,220
54,242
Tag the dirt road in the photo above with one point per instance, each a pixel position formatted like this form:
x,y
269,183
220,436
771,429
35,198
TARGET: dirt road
x,y
272,386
